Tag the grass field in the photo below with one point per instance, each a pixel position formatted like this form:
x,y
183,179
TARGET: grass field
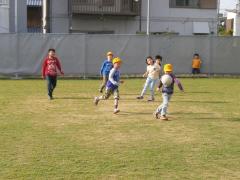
x,y
70,138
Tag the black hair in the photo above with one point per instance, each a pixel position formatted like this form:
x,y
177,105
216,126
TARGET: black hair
x,y
158,57
51,49
196,54
149,57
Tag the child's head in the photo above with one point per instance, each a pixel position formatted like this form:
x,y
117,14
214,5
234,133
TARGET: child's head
x,y
117,62
168,68
196,56
149,60
51,52
158,59
110,55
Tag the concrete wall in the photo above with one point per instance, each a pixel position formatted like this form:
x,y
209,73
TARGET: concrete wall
x,y
4,18
59,16
13,17
179,20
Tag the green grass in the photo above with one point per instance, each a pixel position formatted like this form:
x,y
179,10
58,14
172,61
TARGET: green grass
x,y
70,138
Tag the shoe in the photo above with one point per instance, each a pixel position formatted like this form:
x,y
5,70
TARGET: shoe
x,y
150,99
50,97
164,118
155,114
96,100
140,97
116,111
100,90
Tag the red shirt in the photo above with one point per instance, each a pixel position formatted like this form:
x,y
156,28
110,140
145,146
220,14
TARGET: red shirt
x,y
50,66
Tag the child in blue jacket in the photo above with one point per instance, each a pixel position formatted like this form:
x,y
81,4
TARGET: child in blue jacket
x,y
105,70
112,85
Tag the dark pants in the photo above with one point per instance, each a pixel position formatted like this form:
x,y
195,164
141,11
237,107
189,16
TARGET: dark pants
x,y
51,84
195,70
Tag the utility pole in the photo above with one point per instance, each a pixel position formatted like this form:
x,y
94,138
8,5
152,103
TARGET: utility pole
x,y
148,17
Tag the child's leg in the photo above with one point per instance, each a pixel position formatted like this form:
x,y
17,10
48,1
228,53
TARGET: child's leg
x,y
166,98
147,83
54,82
106,95
104,82
49,86
116,99
152,86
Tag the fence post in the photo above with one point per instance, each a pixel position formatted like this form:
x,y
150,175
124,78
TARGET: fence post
x,y
16,74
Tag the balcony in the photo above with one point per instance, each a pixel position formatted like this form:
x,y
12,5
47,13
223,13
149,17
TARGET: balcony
x,y
106,7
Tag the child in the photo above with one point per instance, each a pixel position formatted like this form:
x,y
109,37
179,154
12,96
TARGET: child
x,y
112,85
196,64
167,92
152,75
105,69
49,71
158,60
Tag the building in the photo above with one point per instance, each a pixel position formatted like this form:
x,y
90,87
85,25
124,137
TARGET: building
x,y
182,17
233,20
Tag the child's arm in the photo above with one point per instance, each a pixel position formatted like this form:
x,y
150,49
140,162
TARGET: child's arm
x,y
102,68
59,66
44,65
179,84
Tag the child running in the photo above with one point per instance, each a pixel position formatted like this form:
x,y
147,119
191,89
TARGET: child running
x,y
152,74
49,71
105,69
167,92
112,85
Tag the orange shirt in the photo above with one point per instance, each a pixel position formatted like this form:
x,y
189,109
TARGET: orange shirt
x,y
196,63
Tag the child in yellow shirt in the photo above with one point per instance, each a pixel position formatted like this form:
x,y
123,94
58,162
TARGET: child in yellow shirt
x,y
196,64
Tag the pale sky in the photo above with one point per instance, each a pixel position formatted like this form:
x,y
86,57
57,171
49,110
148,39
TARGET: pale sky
x,y
228,4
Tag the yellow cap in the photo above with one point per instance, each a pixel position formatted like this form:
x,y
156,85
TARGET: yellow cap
x,y
109,53
116,60
168,68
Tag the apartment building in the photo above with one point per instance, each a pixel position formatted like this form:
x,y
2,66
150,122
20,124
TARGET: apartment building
x,y
182,17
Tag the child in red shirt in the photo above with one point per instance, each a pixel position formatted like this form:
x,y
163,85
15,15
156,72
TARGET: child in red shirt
x,y
49,71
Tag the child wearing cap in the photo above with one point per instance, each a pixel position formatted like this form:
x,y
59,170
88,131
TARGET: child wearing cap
x,y
152,74
105,70
112,85
167,92
49,71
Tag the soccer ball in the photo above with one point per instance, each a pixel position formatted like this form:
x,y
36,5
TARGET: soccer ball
x,y
166,80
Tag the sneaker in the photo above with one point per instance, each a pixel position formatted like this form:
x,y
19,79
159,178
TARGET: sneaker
x,y
96,100
116,111
155,114
140,97
50,97
150,99
164,118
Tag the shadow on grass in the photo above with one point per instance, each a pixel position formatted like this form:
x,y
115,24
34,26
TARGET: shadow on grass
x,y
73,98
134,113
234,119
203,102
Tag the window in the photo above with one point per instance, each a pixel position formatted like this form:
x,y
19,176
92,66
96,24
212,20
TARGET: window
x,y
184,3
108,2
199,4
83,2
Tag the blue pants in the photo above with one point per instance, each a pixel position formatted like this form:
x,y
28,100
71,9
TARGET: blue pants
x,y
151,84
51,84
162,109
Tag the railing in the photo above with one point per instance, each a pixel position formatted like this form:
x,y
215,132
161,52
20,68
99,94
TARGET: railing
x,y
106,7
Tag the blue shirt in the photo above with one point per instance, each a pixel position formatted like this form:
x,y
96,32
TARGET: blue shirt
x,y
114,77
106,68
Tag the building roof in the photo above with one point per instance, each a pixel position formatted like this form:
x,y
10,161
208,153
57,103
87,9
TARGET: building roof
x,y
35,3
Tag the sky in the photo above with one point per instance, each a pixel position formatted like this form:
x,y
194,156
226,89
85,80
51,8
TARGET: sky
x,y
227,4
